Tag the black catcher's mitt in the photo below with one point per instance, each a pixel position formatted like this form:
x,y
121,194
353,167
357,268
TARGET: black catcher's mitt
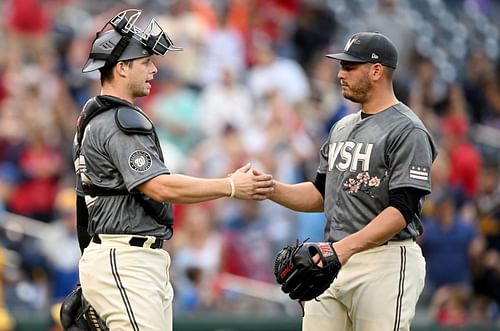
x,y
300,276
78,315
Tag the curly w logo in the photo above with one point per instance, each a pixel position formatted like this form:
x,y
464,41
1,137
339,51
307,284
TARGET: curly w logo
x,y
353,40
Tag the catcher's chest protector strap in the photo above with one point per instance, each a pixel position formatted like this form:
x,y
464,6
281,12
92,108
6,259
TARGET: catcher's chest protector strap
x,y
130,120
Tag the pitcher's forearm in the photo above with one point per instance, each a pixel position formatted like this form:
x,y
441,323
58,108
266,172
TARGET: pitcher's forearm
x,y
302,197
382,228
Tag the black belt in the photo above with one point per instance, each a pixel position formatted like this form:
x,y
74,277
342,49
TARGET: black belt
x,y
135,241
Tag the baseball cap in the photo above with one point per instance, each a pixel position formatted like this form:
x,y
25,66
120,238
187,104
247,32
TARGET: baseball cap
x,y
372,47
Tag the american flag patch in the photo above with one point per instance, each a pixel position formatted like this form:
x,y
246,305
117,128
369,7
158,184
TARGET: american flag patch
x,y
420,173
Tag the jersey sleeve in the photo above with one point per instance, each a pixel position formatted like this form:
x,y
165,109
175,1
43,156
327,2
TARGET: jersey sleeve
x,y
136,158
410,160
323,158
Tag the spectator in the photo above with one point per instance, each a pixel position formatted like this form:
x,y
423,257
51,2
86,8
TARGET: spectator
x,y
189,28
247,243
465,160
224,51
7,322
40,165
395,21
479,82
226,103
427,91
486,289
313,32
488,205
60,236
28,24
274,73
449,307
197,252
326,105
492,89
55,319
174,109
448,244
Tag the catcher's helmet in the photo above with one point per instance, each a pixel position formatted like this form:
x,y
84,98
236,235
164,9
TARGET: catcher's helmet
x,y
125,41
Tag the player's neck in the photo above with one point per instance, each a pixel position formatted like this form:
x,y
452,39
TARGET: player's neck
x,y
379,102
116,92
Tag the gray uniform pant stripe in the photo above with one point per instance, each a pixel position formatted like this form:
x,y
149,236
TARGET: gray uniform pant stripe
x,y
399,300
121,288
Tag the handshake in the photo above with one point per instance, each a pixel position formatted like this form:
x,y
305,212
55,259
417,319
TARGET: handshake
x,y
250,185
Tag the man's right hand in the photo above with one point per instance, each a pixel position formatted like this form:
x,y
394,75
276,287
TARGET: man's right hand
x,y
251,186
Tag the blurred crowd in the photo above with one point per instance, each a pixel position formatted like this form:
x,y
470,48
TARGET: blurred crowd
x,y
252,85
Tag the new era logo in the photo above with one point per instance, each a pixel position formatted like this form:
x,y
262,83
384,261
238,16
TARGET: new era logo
x,y
374,56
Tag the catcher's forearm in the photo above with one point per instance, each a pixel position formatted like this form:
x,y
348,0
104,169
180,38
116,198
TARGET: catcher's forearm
x,y
302,197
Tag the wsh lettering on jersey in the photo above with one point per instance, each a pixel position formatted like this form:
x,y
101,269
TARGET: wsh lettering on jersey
x,y
349,155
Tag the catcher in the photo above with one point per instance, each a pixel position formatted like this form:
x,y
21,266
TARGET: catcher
x,y
373,175
125,190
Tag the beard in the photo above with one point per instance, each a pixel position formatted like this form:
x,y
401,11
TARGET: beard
x,y
359,92
139,90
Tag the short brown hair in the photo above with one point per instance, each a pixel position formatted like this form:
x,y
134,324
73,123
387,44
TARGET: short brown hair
x,y
107,71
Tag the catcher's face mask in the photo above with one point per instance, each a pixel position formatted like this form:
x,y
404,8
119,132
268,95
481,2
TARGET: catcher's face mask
x,y
126,41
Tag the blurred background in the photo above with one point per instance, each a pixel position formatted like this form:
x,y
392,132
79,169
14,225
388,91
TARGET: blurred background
x,y
252,84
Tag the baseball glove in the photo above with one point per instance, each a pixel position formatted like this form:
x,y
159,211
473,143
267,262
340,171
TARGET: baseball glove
x,y
301,277
78,315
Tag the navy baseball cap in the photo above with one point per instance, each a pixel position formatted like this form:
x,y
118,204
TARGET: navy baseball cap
x,y
372,47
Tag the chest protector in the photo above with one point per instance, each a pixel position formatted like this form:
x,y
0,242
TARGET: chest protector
x,y
131,121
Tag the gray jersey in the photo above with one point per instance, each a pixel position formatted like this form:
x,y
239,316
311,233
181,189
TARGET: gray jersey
x,y
111,159
365,158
